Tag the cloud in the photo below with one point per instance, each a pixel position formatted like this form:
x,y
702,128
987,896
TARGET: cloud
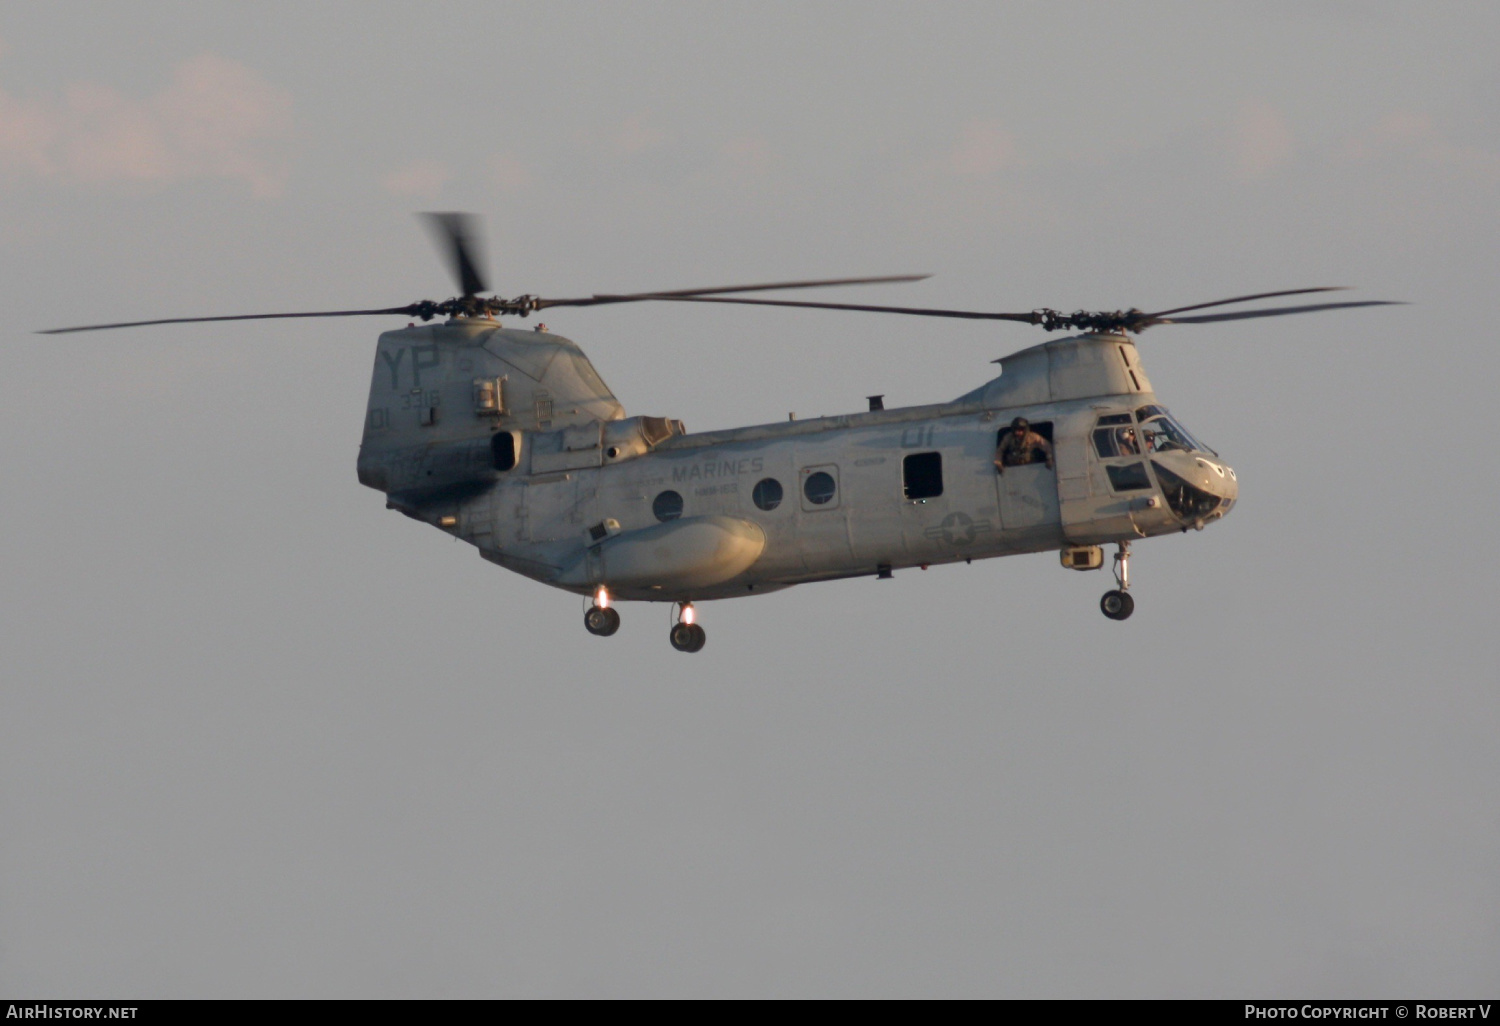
x,y
747,157
26,135
983,148
978,180
215,119
1260,142
1403,135
635,136
508,173
425,178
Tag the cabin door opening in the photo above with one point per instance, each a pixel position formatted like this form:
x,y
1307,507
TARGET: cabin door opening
x,y
1028,492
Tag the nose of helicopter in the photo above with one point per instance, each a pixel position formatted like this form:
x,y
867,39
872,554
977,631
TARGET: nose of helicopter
x,y
1218,480
1225,484
1199,488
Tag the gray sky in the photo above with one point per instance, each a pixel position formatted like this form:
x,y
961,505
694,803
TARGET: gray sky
x,y
261,737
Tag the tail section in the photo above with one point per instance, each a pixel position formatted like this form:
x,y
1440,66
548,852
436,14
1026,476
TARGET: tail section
x,y
448,403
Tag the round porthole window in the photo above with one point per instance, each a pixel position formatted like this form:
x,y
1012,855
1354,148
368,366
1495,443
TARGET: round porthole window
x,y
767,494
667,506
819,488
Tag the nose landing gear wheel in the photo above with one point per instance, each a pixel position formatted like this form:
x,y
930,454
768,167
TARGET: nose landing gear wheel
x,y
688,637
1117,605
602,622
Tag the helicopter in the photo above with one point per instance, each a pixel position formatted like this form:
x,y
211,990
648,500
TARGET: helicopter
x,y
509,440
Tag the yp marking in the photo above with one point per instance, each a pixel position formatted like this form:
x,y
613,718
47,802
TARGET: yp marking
x,y
422,358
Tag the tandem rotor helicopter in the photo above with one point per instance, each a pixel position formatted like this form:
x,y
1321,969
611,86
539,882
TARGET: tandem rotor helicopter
x,y
509,440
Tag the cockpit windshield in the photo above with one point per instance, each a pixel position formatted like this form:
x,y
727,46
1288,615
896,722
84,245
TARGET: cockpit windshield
x,y
1163,434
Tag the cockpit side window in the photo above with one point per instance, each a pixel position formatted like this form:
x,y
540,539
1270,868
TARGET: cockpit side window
x,y
1115,436
1160,433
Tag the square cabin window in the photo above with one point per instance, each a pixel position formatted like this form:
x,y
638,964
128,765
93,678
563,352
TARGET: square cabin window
x,y
922,474
1131,477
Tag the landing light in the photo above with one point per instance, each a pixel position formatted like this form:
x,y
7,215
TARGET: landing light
x,y
688,614
601,597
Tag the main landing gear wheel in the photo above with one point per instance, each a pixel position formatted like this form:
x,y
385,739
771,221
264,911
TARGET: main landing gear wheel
x,y
602,622
1117,605
688,637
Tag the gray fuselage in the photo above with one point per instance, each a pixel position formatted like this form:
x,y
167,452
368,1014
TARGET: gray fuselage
x,y
510,441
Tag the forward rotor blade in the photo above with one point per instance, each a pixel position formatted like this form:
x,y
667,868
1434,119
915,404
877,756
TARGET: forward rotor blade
x,y
237,317
458,236
1277,311
1246,299
428,310
634,297
915,311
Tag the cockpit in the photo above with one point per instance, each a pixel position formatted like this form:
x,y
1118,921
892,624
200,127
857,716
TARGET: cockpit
x,y
1192,478
1163,434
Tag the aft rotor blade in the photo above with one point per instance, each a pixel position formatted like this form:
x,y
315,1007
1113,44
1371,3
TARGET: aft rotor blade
x,y
1246,299
457,235
237,317
915,311
600,299
1277,311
